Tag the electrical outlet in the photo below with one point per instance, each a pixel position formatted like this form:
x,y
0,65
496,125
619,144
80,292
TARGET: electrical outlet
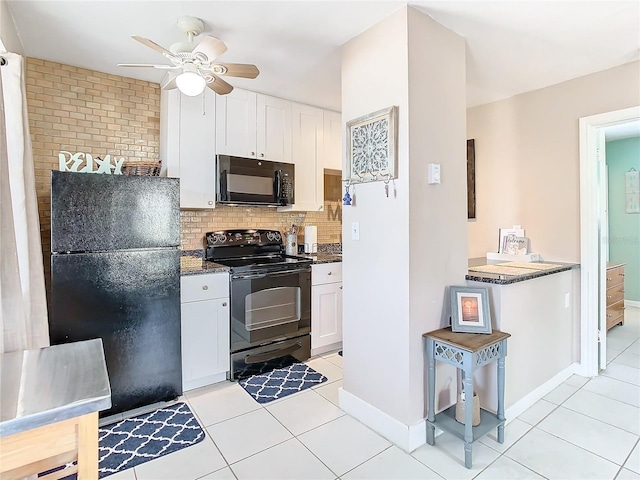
x,y
355,230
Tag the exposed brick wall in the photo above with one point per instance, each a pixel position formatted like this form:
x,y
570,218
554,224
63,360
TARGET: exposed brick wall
x,y
75,109
195,223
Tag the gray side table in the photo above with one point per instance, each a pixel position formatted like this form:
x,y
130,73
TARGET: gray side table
x,y
468,352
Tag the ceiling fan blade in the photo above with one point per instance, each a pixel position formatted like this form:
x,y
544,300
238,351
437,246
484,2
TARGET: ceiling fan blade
x,y
242,70
163,67
219,86
211,47
153,45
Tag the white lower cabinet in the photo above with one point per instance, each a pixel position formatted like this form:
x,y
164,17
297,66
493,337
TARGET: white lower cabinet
x,y
205,329
326,307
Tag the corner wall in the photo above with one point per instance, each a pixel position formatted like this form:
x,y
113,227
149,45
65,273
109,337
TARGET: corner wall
x,y
413,243
9,39
527,160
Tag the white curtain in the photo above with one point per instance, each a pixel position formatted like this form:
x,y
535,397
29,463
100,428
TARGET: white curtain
x,y
23,307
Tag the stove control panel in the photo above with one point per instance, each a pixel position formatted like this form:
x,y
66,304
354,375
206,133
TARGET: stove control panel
x,y
243,237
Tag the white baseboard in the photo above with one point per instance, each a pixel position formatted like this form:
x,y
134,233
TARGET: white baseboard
x,y
406,437
632,303
411,437
326,348
532,397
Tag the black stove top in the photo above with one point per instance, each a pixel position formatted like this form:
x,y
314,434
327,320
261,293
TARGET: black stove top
x,y
250,250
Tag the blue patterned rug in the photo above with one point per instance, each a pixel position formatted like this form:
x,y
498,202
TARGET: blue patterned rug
x,y
137,440
278,378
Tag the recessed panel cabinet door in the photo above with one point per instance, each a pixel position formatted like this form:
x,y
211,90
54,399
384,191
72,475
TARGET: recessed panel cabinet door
x,y
273,121
205,341
236,124
326,314
333,140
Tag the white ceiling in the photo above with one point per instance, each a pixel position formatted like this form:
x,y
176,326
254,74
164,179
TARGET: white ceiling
x,y
512,46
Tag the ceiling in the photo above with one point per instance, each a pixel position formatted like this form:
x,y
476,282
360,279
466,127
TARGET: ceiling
x,y
512,46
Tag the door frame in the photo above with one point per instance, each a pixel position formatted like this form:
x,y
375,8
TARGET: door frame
x,y
592,271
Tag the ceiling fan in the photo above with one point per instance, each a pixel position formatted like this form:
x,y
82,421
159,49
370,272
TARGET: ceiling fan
x,y
193,67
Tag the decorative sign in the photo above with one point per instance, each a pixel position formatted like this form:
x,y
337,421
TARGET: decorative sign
x,y
632,191
372,146
84,162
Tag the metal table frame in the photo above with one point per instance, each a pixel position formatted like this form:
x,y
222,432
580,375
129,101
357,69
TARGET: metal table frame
x,y
468,352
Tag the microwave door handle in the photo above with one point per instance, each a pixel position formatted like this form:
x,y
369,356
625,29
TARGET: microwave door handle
x,y
278,182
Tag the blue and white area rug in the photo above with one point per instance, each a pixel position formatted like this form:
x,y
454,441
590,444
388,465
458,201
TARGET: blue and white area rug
x,y
137,440
276,379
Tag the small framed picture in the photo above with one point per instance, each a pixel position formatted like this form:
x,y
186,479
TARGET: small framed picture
x,y
470,310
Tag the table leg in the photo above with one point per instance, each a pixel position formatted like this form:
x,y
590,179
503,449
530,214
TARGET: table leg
x,y
500,412
431,393
468,417
88,447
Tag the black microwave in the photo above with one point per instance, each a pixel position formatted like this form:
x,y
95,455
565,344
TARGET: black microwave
x,y
248,181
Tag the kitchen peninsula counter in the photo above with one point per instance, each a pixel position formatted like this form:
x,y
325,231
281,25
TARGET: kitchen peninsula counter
x,y
513,274
538,304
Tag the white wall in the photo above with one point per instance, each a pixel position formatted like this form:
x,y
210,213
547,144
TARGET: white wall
x,y
527,160
413,243
9,40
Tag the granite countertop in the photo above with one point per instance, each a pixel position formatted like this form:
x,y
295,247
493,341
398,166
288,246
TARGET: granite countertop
x,y
52,384
317,258
515,274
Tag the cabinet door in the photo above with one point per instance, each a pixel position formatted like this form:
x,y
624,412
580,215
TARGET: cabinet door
x,y
332,140
273,122
236,124
326,314
307,154
205,341
188,145
198,150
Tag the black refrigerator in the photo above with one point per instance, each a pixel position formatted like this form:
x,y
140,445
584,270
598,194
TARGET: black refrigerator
x,y
115,275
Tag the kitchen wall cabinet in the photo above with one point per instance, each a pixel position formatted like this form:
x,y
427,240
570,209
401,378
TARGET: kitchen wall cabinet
x,y
326,307
205,329
188,145
253,125
307,149
332,140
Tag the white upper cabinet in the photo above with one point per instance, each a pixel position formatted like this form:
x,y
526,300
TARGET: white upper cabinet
x,y
273,120
253,125
188,145
307,149
333,140
236,124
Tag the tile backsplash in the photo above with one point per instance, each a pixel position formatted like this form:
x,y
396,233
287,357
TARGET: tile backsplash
x,y
195,223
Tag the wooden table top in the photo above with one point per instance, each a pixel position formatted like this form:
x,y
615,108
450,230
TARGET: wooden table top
x,y
471,342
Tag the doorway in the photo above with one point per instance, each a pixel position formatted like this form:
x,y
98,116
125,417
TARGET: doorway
x,y
593,231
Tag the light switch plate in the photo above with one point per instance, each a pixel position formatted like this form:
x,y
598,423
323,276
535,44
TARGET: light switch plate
x,y
433,173
355,230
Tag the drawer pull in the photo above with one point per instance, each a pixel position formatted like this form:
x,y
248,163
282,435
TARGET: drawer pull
x,y
609,279
205,287
609,315
340,287
329,273
622,291
609,297
224,304
621,274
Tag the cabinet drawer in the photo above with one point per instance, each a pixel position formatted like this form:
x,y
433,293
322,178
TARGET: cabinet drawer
x,y
615,276
194,288
615,294
615,310
326,273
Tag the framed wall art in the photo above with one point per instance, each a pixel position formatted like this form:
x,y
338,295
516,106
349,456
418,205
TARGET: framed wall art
x,y
471,179
372,146
470,310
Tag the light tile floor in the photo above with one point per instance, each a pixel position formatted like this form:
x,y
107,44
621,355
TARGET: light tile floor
x,y
585,428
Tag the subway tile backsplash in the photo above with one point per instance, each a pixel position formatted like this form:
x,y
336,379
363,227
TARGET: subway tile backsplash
x,y
195,223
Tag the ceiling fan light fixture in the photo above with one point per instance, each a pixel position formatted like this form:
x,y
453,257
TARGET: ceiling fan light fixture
x,y
190,82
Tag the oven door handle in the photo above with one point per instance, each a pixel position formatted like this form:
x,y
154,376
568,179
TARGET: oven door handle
x,y
270,274
263,357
